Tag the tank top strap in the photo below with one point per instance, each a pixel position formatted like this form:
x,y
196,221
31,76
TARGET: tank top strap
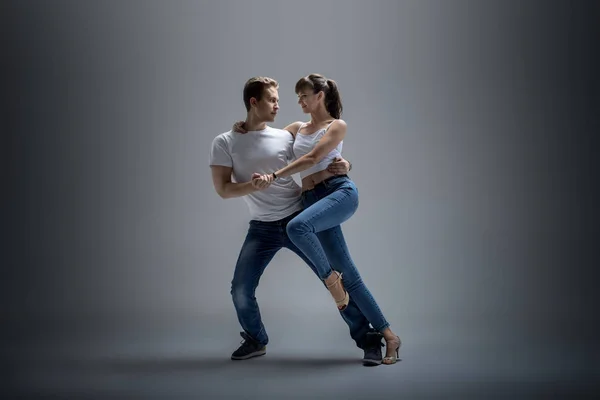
x,y
301,126
328,125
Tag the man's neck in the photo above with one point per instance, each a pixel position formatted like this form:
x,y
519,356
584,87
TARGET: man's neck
x,y
254,124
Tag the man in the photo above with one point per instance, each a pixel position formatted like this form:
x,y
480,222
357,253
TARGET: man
x,y
262,149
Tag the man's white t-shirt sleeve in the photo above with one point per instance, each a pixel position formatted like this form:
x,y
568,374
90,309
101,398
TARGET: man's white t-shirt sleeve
x,y
219,153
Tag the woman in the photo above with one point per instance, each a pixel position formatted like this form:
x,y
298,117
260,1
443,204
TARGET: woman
x,y
328,200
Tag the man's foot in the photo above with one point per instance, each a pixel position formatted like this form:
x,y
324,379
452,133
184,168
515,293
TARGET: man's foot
x,y
249,348
372,349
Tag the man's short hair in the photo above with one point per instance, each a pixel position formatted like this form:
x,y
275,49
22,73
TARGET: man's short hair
x,y
255,87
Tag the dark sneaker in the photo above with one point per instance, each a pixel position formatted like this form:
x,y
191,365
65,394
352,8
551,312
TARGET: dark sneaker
x,y
249,348
372,349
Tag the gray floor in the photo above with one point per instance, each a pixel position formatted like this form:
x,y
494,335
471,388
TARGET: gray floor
x,y
189,358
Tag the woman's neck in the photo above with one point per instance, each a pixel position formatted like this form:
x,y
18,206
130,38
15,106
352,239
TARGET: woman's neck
x,y
320,117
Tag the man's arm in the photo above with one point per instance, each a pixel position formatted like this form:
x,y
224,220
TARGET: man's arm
x,y
226,189
221,166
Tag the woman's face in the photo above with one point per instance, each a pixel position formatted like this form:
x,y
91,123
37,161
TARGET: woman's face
x,y
308,100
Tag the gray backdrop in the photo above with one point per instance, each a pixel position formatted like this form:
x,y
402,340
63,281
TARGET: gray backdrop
x,y
470,135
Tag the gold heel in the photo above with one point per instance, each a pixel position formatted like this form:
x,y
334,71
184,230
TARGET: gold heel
x,y
393,344
343,303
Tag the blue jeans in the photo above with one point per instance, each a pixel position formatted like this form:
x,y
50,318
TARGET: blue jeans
x,y
317,233
263,241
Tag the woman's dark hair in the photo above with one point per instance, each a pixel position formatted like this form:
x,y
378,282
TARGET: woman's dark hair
x,y
318,83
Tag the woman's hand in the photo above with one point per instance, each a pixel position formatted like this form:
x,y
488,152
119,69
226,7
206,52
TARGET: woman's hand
x,y
239,127
260,182
339,166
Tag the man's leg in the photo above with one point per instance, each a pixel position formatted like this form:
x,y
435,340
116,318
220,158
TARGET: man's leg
x,y
262,241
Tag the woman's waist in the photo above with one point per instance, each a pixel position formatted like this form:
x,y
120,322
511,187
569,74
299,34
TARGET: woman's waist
x,y
319,170
321,179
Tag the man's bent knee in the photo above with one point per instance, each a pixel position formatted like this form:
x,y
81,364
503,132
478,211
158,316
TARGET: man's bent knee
x,y
241,295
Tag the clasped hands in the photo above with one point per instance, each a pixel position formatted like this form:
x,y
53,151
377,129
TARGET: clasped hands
x,y
338,166
261,182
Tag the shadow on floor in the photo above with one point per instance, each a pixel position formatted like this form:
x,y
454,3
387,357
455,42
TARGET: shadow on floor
x,y
211,363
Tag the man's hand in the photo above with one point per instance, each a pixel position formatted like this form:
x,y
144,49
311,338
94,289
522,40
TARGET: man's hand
x,y
239,127
339,166
261,182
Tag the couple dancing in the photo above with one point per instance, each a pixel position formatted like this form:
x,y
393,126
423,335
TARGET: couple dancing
x,y
261,160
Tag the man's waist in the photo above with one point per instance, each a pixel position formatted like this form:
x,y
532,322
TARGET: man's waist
x,y
279,222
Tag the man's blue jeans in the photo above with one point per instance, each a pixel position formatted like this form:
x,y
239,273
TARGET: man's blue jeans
x,y
263,241
317,233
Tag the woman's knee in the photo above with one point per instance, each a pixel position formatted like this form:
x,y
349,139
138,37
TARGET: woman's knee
x,y
297,227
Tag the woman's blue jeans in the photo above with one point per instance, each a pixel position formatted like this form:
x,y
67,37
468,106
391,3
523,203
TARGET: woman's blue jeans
x,y
316,231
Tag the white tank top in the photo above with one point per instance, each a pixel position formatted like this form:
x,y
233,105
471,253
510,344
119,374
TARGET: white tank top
x,y
304,145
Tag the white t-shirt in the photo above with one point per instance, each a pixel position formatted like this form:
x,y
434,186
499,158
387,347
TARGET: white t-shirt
x,y
263,152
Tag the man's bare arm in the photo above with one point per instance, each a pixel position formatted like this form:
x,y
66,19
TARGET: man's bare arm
x,y
226,189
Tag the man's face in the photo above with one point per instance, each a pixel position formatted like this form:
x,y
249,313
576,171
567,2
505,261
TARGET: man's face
x,y
266,109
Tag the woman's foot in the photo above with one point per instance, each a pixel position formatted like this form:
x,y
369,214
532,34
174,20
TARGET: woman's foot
x,y
391,350
336,288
